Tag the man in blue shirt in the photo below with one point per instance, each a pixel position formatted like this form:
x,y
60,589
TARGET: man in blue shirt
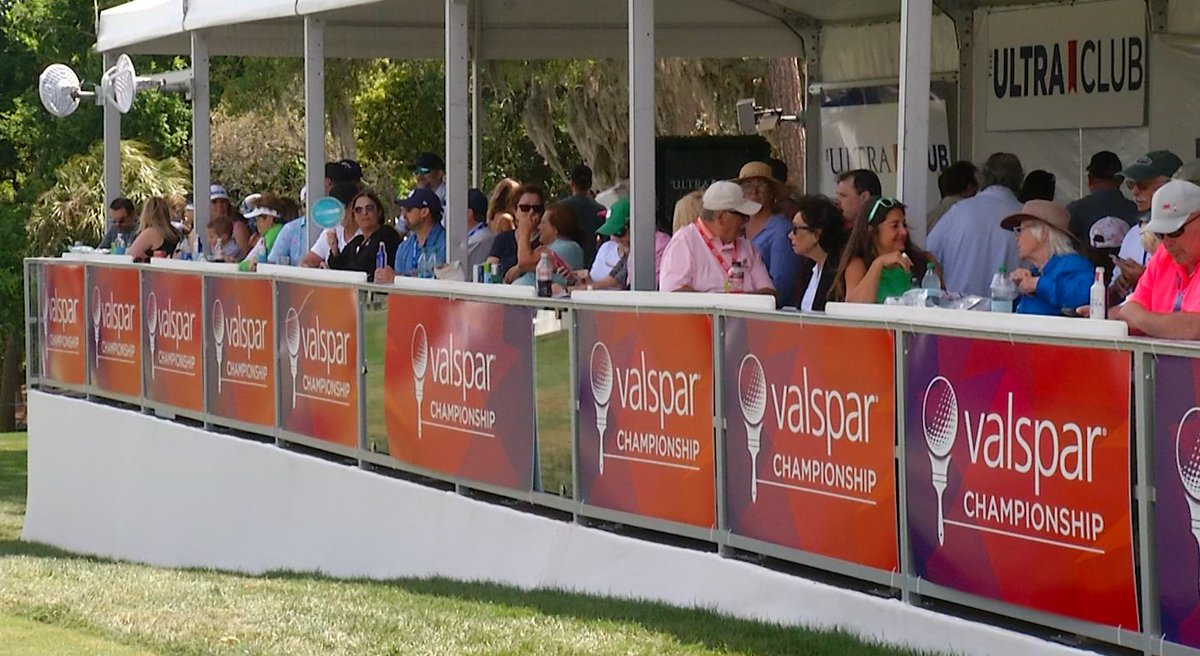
x,y
426,237
292,240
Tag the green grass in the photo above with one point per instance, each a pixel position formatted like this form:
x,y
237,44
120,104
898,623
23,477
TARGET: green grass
x,y
52,602
552,362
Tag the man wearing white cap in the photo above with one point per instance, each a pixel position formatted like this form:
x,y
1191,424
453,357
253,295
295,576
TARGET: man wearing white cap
x,y
220,205
1166,302
710,254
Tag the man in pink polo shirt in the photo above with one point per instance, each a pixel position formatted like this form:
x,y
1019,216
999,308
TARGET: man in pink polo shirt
x,y
710,254
1166,302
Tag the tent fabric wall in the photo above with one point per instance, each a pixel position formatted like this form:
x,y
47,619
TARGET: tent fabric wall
x,y
1175,95
870,52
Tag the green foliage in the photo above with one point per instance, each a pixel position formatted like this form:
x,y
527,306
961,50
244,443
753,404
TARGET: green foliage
x,y
73,208
12,275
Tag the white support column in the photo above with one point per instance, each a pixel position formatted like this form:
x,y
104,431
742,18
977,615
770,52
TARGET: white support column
x,y
641,144
812,114
476,133
201,134
112,144
457,126
912,181
314,115
964,26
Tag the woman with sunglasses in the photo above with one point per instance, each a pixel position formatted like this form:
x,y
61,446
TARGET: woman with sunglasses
x,y
531,202
818,234
880,261
1060,278
361,253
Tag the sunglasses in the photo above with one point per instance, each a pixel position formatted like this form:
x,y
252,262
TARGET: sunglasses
x,y
421,170
364,209
874,217
535,209
1176,234
797,229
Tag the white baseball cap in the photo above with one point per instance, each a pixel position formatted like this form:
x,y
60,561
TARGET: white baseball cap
x,y
727,195
1173,203
1108,232
216,192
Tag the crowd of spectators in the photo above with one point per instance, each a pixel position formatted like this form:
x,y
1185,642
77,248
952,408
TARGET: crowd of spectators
x,y
751,233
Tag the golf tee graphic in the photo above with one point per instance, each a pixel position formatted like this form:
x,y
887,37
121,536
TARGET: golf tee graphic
x,y
97,313
151,326
602,382
218,331
420,358
291,327
939,421
752,396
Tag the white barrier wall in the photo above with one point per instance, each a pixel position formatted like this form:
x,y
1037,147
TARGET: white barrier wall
x,y
167,494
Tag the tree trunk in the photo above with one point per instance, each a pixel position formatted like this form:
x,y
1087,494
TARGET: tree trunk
x,y
340,110
10,381
787,93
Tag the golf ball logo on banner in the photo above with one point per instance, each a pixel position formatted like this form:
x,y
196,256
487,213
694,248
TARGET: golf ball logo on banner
x,y
1023,468
1187,463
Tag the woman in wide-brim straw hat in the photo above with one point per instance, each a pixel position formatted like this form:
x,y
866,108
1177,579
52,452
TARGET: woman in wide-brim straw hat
x,y
769,229
1060,278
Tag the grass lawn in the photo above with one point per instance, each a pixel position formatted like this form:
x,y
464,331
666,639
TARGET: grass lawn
x,y
53,603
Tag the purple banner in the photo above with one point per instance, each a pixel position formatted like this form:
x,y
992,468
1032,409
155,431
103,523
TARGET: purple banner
x,y
1177,494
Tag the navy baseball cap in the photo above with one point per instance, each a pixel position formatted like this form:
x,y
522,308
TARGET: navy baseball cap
x,y
426,162
422,197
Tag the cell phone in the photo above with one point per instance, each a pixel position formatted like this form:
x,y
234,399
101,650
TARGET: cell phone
x,y
1070,312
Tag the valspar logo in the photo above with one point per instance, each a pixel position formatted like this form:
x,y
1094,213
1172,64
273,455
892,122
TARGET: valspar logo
x,y
1088,66
809,412
61,317
117,321
322,348
174,326
1187,462
1037,450
460,371
659,394
240,343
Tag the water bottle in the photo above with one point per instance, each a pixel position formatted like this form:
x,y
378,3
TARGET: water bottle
x,y
1098,296
736,284
185,249
1003,291
380,257
931,281
544,276
119,245
495,277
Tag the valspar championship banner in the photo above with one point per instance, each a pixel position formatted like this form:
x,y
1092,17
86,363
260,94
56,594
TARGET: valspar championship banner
x,y
115,330
63,339
318,361
1177,496
1071,66
810,438
1017,460
174,363
646,414
460,388
240,373
864,137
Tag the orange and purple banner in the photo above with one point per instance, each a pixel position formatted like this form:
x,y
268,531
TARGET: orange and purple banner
x,y
646,414
1018,479
318,361
171,314
240,372
460,388
1177,496
115,330
63,339
810,438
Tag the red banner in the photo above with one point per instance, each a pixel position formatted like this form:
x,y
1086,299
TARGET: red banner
x,y
174,370
810,438
645,414
63,341
459,385
318,355
115,330
240,372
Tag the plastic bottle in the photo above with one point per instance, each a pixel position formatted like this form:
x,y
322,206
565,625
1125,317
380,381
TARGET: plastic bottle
x,y
544,276
1098,297
737,278
1004,292
185,249
118,247
931,281
380,257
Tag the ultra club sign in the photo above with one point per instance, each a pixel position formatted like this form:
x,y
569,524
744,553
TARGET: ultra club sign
x,y
645,414
809,440
1011,464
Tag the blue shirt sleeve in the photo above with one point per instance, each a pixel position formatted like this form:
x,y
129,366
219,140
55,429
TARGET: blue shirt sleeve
x,y
1066,281
784,267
